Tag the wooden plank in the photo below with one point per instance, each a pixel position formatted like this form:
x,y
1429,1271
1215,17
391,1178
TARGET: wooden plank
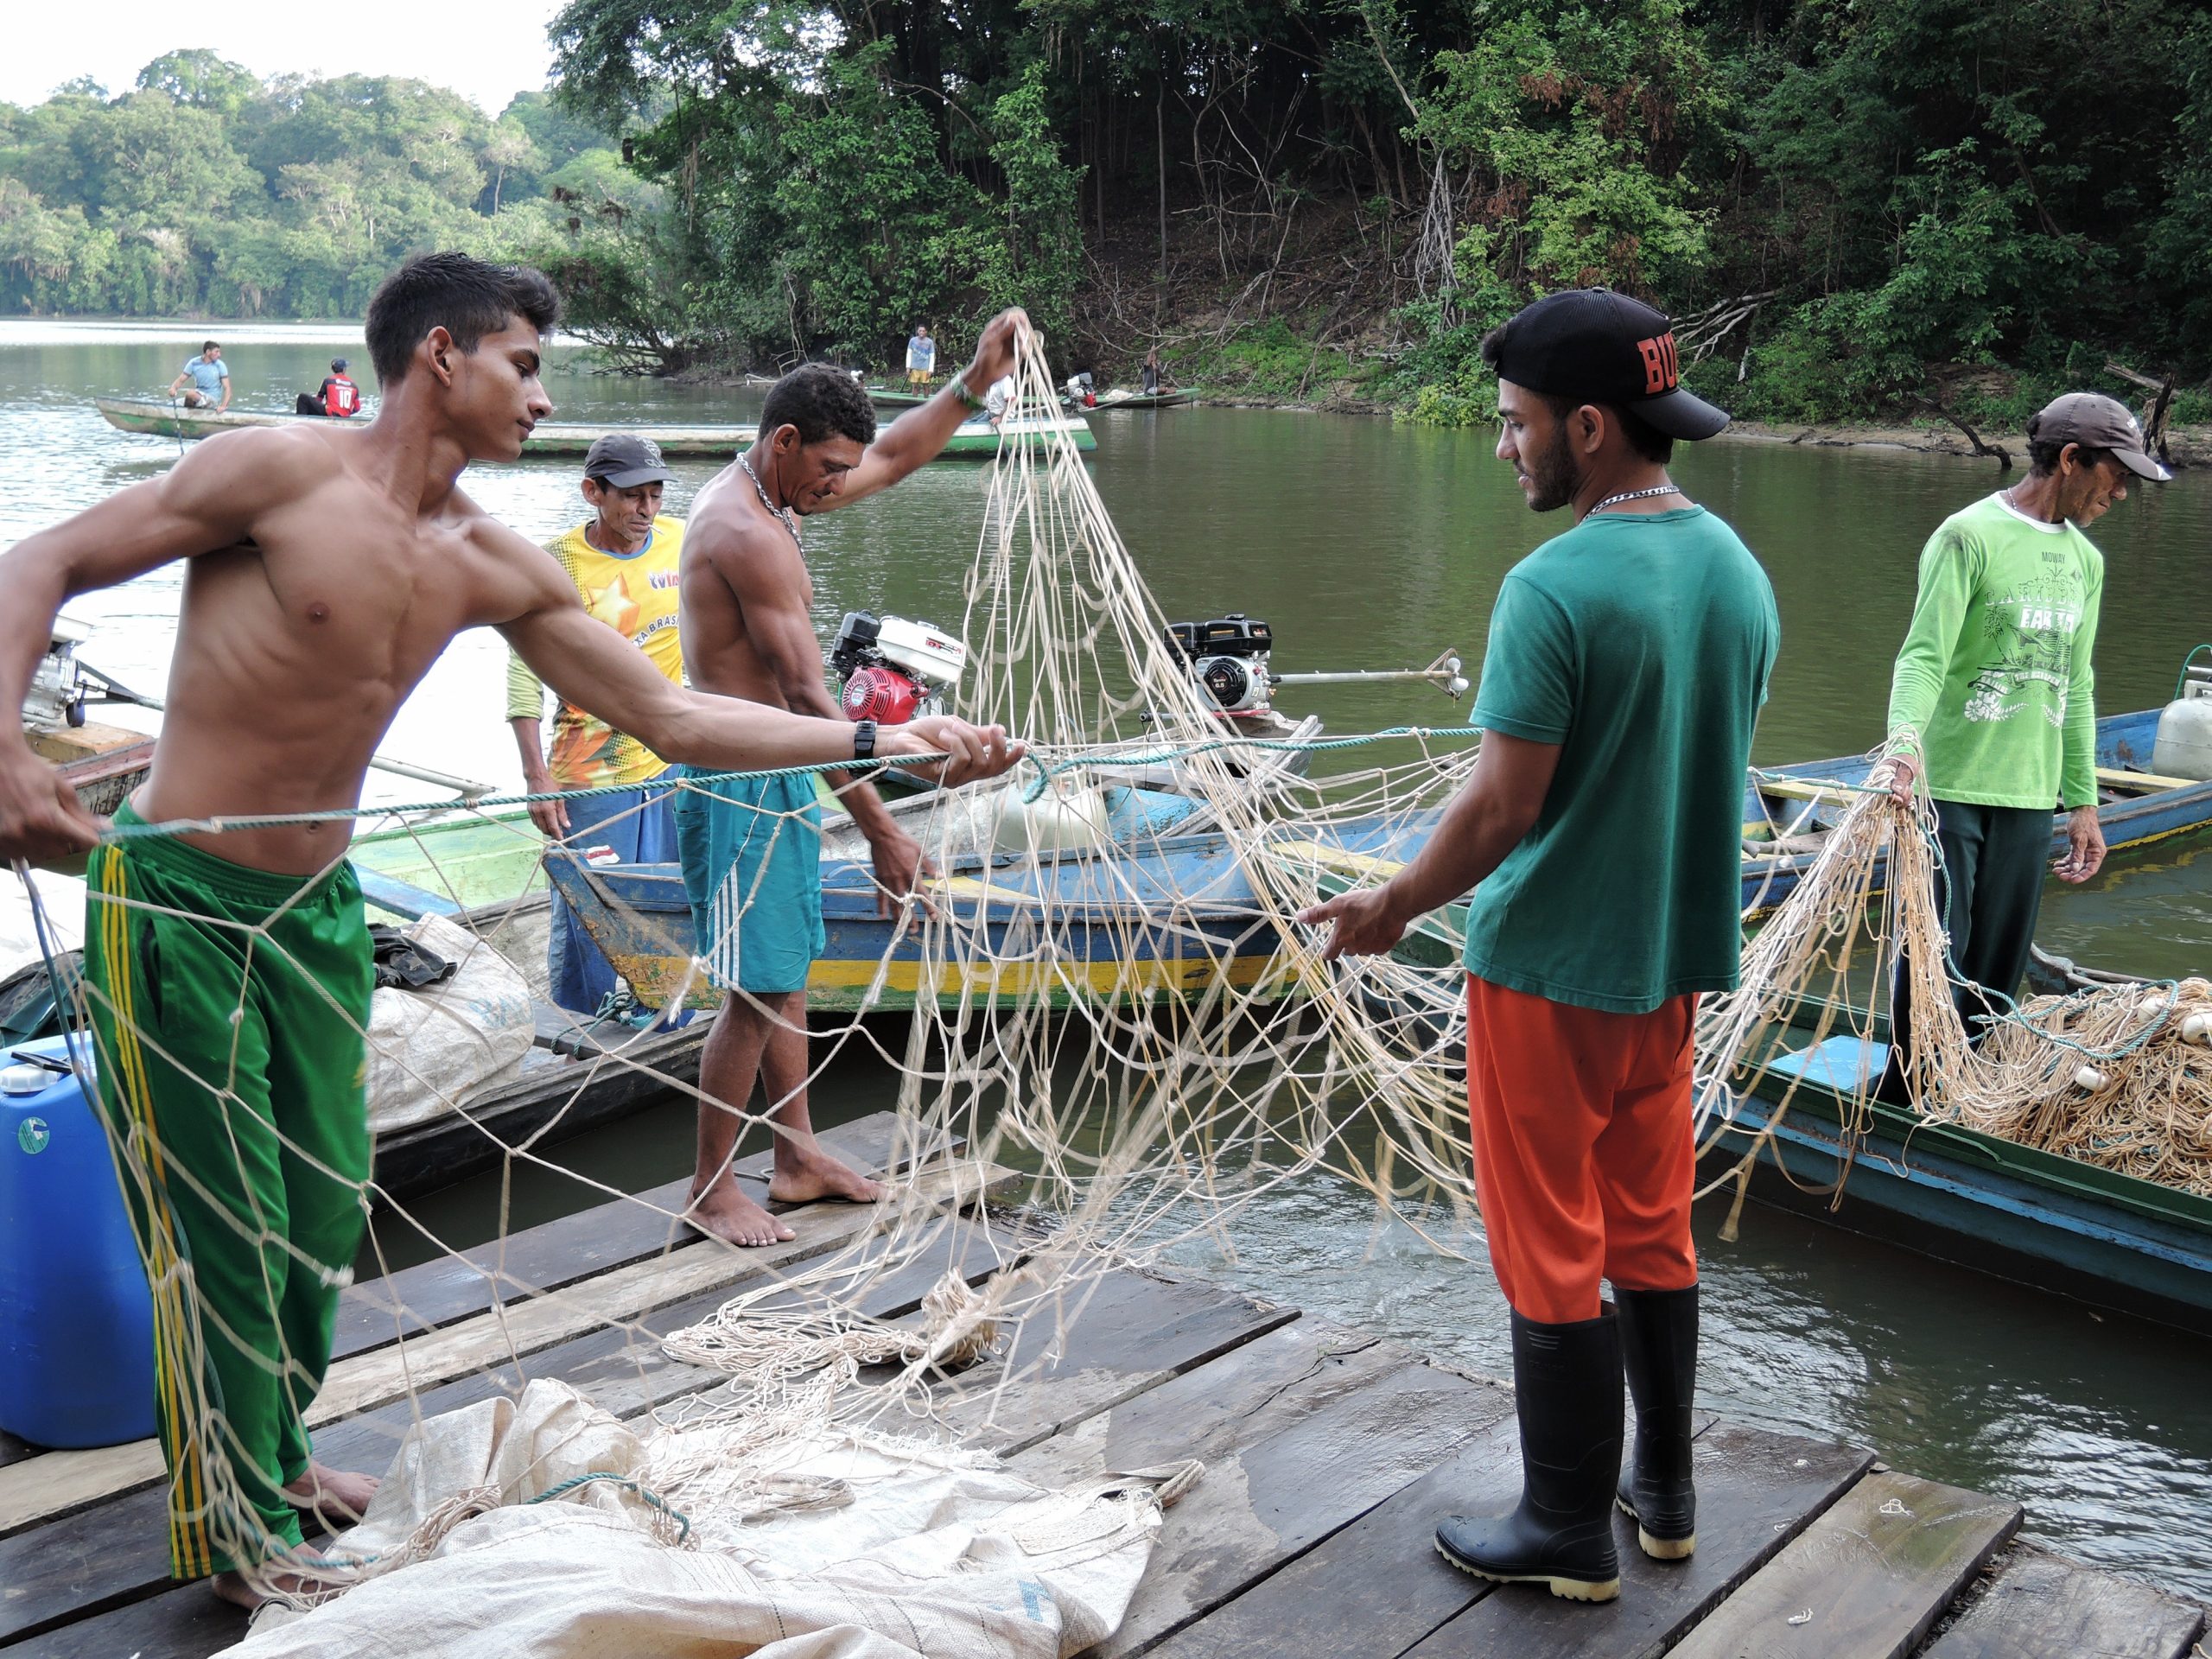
x,y
109,1555
1866,1580
1380,1576
1756,1492
1134,1331
2141,783
1301,1431
189,1621
559,1252
2042,1607
61,1481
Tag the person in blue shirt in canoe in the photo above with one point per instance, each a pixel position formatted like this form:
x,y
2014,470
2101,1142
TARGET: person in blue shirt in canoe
x,y
210,377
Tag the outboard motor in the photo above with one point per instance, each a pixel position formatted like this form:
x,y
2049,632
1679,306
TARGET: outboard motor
x,y
1228,658
894,670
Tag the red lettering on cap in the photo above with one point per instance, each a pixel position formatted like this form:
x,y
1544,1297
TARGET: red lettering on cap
x,y
1661,367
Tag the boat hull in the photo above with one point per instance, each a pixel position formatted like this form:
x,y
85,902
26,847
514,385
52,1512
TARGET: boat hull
x,y
2130,819
1106,929
2098,1236
974,441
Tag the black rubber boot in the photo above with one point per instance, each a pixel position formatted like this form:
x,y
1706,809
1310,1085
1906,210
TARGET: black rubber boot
x,y
1659,1352
1567,1390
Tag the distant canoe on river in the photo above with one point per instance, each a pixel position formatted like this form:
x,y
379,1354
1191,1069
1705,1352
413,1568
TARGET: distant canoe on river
x,y
156,419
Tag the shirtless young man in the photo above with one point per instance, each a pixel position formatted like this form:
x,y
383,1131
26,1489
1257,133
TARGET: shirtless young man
x,y
330,566
752,852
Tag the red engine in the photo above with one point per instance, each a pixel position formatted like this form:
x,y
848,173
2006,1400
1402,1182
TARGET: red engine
x,y
883,695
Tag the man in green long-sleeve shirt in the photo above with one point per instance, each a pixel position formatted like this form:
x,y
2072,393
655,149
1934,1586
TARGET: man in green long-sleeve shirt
x,y
1993,697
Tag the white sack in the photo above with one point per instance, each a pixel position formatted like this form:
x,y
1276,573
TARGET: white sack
x,y
439,1047
937,1552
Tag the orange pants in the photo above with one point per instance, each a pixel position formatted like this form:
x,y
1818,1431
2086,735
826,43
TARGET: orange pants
x,y
1583,1158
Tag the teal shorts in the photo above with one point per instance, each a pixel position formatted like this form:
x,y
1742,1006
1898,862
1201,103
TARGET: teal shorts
x,y
752,853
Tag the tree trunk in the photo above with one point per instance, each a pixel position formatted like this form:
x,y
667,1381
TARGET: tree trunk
x,y
1159,138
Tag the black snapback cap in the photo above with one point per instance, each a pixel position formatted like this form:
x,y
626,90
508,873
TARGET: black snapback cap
x,y
1599,346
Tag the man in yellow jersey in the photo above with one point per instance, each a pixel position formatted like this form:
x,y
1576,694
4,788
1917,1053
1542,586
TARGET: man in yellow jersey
x,y
622,560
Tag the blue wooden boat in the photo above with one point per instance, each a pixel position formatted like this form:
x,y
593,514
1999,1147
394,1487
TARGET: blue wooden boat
x,y
2135,806
2097,1234
1171,917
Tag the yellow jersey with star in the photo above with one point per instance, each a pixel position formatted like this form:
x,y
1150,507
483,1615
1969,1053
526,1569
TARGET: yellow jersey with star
x,y
634,594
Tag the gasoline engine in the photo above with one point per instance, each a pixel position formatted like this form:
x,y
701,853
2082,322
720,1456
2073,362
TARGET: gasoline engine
x,y
893,670
1228,658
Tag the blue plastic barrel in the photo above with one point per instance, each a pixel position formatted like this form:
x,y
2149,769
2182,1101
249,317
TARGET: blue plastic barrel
x,y
76,1320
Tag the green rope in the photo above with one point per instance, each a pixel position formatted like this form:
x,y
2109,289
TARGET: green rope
x,y
168,827
654,1499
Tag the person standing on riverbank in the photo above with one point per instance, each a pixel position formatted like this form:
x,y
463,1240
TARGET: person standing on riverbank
x,y
227,972
210,377
623,561
1993,703
921,357
752,847
1626,663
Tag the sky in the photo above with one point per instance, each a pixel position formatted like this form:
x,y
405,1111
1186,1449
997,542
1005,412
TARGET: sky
x,y
486,50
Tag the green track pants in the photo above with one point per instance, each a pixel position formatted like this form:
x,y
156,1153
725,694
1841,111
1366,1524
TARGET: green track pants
x,y
228,1007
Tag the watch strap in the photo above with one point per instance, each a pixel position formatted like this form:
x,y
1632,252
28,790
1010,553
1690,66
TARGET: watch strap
x,y
864,739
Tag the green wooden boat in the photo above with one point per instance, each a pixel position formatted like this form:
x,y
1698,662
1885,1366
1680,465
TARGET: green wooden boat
x,y
2098,1235
976,440
898,398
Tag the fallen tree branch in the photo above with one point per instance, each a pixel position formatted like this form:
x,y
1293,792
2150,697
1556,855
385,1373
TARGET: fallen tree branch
x,y
2002,455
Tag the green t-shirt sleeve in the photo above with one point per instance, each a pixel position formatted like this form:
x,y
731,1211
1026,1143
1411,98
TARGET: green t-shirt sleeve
x,y
526,691
2077,776
1527,685
1949,567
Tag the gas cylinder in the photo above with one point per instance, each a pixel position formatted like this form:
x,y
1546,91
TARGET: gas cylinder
x,y
76,1319
2184,746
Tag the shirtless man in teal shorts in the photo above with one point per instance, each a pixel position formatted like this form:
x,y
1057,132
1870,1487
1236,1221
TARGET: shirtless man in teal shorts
x,y
327,566
752,853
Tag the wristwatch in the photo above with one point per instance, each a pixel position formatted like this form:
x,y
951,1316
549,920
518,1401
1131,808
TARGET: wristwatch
x,y
864,739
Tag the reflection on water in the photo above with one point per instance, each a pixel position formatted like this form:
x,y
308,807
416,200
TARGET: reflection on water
x,y
1370,545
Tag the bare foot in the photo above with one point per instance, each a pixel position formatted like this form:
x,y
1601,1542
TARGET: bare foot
x,y
234,1588
804,1172
722,1211
336,1498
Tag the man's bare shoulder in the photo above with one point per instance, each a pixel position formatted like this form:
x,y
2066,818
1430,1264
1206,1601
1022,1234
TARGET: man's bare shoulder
x,y
264,462
735,535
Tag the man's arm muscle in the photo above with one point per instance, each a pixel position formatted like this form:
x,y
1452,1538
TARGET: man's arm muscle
x,y
210,501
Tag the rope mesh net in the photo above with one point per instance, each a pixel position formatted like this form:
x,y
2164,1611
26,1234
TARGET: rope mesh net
x,y
1109,996
1111,1000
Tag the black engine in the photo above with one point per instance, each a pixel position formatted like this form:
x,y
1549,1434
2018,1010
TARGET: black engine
x,y
1229,657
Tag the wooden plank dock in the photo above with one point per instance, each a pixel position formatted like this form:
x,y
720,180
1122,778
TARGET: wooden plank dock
x,y
1329,1454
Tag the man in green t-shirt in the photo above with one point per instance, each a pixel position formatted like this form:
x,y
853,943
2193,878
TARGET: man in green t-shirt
x,y
1601,834
1992,702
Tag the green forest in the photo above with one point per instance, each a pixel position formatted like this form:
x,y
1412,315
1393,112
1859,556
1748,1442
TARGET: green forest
x,y
1853,208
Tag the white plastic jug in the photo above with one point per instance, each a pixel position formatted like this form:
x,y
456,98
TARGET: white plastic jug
x,y
2183,746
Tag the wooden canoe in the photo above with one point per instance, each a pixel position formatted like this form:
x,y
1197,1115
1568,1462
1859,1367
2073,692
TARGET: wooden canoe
x,y
2097,1234
1123,398
2136,807
976,440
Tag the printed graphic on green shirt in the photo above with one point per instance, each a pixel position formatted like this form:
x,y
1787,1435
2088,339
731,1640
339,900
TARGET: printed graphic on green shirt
x,y
1994,684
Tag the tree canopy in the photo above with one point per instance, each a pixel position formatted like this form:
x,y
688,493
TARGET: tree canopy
x,y
204,189
1848,203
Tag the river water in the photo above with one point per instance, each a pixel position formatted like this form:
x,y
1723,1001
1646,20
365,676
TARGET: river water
x,y
1371,545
